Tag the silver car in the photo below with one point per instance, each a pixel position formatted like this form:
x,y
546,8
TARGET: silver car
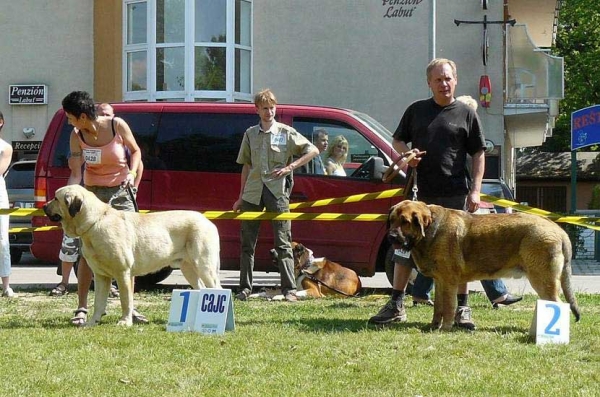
x,y
19,184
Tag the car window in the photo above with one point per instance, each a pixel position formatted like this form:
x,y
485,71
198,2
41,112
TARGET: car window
x,y
359,148
202,141
20,176
492,189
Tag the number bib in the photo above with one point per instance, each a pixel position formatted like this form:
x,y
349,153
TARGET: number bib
x,y
278,139
402,253
92,156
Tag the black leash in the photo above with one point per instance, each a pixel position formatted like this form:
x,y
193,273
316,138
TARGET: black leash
x,y
320,282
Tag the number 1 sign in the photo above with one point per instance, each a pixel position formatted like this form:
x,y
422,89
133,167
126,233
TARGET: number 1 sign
x,y
208,311
550,322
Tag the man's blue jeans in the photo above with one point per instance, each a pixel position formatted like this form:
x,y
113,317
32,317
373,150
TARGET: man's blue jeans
x,y
423,285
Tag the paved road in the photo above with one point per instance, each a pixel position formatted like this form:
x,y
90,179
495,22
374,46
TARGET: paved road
x,y
31,273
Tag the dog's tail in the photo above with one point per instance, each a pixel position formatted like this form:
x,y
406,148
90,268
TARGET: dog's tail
x,y
565,278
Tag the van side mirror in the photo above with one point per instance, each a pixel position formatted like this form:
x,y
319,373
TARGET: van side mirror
x,y
371,169
378,168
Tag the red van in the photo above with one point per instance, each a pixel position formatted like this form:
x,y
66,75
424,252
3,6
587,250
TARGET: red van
x,y
189,152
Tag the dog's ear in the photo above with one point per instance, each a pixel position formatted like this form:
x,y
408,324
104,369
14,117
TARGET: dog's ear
x,y
299,249
73,203
388,222
422,219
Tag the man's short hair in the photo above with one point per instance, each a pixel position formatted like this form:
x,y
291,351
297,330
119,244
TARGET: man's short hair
x,y
441,61
321,131
265,96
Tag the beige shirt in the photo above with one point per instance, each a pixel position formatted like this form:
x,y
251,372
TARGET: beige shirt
x,y
264,151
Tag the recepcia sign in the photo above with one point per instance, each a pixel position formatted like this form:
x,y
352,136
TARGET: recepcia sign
x,y
29,146
585,127
28,94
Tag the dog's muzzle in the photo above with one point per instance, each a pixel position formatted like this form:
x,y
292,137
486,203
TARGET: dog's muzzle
x,y
53,217
397,239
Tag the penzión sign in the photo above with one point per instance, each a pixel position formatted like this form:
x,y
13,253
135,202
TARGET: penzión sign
x,y
28,94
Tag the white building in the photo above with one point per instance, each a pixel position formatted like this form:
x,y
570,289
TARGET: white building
x,y
367,55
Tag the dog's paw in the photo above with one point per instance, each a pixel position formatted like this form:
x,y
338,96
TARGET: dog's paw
x,y
125,322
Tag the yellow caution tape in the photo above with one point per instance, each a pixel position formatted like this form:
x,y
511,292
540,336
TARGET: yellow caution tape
x,y
584,221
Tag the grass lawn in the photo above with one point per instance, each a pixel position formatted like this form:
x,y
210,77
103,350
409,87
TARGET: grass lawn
x,y
309,348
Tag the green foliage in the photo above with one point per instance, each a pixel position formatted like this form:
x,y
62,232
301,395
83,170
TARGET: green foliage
x,y
578,41
318,348
595,201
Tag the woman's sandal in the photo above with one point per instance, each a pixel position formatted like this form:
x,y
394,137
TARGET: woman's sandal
x,y
138,318
80,317
113,292
59,290
421,301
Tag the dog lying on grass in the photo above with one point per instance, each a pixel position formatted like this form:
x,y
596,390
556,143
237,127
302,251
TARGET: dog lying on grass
x,y
321,277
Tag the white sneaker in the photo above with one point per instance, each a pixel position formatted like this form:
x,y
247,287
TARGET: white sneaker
x,y
8,293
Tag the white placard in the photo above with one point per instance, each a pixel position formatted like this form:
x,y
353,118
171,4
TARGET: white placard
x,y
183,310
551,322
214,314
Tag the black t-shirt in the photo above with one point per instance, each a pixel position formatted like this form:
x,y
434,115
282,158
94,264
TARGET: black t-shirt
x,y
448,134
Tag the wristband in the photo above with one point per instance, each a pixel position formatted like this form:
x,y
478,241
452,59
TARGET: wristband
x,y
132,172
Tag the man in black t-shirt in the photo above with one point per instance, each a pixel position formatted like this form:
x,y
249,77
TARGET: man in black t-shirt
x,y
447,130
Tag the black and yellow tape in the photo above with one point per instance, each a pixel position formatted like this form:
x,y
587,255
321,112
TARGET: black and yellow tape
x,y
583,221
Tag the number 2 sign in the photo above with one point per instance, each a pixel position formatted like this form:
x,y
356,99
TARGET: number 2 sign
x,y
208,311
551,321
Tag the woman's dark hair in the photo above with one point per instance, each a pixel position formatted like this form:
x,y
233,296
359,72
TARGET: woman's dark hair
x,y
78,103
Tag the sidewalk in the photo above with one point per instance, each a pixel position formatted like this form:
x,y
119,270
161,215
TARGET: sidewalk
x,y
31,274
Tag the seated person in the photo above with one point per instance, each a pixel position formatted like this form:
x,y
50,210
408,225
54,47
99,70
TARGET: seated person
x,y
321,141
336,156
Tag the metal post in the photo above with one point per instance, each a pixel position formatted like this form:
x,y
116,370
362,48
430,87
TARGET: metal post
x,y
573,181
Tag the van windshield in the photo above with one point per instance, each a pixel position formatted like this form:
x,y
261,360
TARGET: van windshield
x,y
375,125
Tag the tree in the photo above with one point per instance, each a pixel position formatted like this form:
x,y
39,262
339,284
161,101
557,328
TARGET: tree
x,y
578,41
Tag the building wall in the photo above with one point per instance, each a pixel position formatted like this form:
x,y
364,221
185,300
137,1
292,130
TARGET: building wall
x,y
43,42
364,55
584,191
108,50
354,55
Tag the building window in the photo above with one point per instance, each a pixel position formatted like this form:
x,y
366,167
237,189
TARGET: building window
x,y
187,50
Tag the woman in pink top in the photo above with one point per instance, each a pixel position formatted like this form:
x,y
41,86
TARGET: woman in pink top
x,y
98,143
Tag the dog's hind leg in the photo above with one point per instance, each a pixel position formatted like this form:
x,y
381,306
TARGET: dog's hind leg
x,y
190,273
101,289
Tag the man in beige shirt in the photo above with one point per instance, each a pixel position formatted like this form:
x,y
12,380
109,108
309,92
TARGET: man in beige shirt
x,y
267,156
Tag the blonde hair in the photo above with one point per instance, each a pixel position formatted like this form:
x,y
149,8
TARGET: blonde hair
x,y
265,96
468,100
441,61
340,139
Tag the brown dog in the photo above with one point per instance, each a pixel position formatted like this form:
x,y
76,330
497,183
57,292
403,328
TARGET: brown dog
x,y
455,247
322,277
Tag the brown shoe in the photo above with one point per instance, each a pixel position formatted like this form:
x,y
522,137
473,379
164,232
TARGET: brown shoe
x,y
392,312
463,319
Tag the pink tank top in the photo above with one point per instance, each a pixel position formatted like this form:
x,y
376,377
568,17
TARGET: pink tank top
x,y
104,165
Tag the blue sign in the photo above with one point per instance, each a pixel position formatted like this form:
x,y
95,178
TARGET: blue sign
x,y
585,127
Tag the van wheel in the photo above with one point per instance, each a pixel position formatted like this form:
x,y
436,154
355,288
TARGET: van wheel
x,y
146,281
150,280
389,270
15,255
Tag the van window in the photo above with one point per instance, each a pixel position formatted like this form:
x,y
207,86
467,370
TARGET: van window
x,y
145,129
359,148
143,125
62,152
202,142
